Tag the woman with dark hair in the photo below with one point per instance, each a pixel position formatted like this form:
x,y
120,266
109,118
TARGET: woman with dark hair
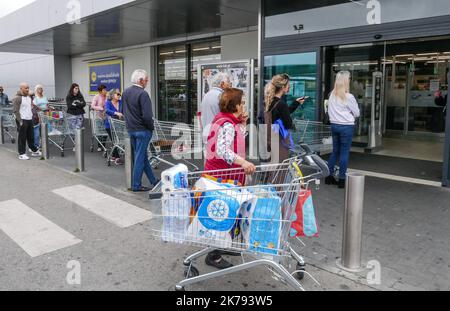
x,y
75,107
226,149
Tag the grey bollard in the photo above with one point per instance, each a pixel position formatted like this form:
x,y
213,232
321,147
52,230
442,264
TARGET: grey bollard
x,y
44,141
2,133
353,217
79,150
129,162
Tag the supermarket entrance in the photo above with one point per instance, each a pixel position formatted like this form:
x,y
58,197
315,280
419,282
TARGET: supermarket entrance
x,y
408,112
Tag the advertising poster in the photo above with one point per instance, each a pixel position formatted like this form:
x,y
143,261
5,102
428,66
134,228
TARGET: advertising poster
x,y
108,73
238,71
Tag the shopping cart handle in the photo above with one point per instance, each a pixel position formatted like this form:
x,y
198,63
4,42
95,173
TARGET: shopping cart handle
x,y
307,149
321,164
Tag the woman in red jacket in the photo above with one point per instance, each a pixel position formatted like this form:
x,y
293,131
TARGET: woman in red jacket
x,y
226,150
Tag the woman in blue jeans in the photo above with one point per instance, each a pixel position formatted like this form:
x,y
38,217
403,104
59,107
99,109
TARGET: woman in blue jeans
x,y
343,110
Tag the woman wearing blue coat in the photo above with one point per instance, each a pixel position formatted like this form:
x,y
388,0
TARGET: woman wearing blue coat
x,y
113,109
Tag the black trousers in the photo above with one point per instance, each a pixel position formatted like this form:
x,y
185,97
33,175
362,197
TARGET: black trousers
x,y
26,136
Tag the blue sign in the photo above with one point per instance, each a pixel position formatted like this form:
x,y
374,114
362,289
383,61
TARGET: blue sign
x,y
109,73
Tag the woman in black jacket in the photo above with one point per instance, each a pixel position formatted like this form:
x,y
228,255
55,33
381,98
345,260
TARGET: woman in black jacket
x,y
75,107
276,110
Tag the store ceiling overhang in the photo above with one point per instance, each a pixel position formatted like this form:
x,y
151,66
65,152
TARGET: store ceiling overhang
x,y
140,22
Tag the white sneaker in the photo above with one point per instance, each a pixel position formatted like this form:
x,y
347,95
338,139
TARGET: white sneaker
x,y
36,154
99,149
23,157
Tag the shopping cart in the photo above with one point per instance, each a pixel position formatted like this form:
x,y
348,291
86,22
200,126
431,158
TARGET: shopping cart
x,y
99,133
59,130
9,123
119,133
180,141
253,220
315,134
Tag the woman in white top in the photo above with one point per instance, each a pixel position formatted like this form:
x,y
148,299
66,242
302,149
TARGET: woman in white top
x,y
343,110
40,103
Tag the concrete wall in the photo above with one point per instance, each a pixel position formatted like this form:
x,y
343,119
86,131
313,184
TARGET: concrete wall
x,y
31,68
132,60
240,46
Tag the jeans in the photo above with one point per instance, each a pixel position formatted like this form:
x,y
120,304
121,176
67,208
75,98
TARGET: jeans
x,y
342,143
140,141
37,136
75,122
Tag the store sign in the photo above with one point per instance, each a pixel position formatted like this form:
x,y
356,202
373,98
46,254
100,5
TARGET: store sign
x,y
109,73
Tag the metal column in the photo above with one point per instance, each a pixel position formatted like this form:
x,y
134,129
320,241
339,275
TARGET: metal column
x,y
44,141
2,133
129,162
353,217
79,150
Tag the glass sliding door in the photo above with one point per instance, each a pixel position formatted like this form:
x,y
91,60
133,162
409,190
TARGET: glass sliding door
x,y
177,84
302,68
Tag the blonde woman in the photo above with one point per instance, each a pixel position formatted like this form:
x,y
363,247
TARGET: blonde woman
x,y
343,110
278,112
40,103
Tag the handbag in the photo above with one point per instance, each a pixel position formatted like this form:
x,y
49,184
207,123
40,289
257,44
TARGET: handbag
x,y
304,222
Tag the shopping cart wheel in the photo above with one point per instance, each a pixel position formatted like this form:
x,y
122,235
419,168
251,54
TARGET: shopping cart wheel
x,y
301,268
105,154
62,154
191,272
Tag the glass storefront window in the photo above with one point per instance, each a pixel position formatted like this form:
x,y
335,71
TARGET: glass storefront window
x,y
173,83
302,68
202,53
177,83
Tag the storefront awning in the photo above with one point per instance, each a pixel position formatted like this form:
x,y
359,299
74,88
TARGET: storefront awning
x,y
138,22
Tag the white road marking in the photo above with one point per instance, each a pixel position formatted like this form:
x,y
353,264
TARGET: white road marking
x,y
113,210
34,233
399,178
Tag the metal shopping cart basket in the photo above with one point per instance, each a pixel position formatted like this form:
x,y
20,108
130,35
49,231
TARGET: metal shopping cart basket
x,y
253,219
9,123
119,133
315,134
59,130
180,141
99,133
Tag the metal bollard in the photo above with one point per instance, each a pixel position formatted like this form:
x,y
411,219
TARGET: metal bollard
x,y
353,217
79,149
129,162
44,141
2,133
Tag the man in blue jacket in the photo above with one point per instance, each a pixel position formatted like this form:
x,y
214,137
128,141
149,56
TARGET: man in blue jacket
x,y
138,114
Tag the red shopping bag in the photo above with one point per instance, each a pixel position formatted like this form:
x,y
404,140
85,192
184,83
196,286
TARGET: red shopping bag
x,y
304,222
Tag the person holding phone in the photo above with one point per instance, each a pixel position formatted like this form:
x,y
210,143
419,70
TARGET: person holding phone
x,y
278,112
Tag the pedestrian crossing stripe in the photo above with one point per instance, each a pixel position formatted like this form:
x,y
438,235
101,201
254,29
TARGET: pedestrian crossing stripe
x,y
34,233
115,211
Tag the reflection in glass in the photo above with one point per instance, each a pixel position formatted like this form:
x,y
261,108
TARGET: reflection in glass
x,y
302,69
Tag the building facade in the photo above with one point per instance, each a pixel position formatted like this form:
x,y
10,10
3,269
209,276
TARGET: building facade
x,y
398,50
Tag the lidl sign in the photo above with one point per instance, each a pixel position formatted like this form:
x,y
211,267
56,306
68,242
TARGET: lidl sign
x,y
108,73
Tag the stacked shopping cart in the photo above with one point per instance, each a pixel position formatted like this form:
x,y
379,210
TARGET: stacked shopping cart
x,y
314,134
9,123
